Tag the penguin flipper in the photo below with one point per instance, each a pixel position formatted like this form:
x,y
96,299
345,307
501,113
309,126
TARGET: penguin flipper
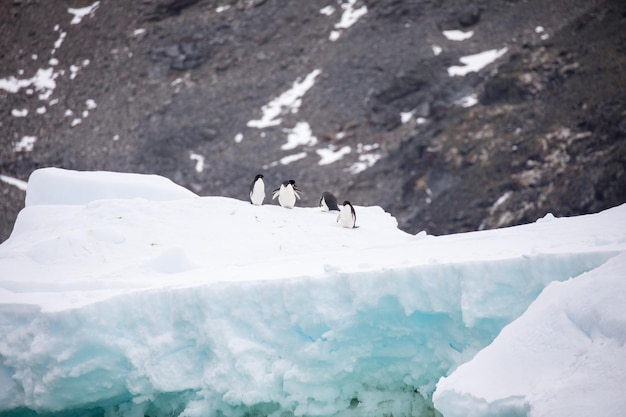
x,y
275,193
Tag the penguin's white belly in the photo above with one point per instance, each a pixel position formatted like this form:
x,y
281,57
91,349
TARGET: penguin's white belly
x,y
258,193
345,217
287,197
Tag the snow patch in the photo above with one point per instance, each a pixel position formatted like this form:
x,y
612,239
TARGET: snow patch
x,y
14,182
199,161
292,158
349,17
19,113
476,62
365,161
541,30
26,144
42,81
300,135
332,154
405,117
82,12
328,10
366,158
457,35
467,101
287,102
59,41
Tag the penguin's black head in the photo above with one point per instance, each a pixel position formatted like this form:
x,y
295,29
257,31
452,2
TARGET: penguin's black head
x,y
346,203
258,176
292,182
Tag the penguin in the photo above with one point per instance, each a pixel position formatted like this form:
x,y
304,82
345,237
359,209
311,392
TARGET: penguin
x,y
257,190
328,202
347,215
287,194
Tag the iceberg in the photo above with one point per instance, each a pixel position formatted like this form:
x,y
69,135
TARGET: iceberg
x,y
127,295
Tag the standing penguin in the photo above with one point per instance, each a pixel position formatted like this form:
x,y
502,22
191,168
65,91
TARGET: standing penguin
x,y
328,202
347,215
257,190
287,194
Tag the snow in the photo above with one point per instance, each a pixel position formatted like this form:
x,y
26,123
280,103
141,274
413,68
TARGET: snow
x,y
476,62
14,182
26,144
328,10
406,116
199,161
467,101
19,112
300,135
349,17
43,81
59,41
366,158
91,104
286,160
457,35
287,102
55,186
82,12
574,335
541,30
332,154
133,295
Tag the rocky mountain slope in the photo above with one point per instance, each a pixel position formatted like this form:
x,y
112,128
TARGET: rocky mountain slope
x,y
368,101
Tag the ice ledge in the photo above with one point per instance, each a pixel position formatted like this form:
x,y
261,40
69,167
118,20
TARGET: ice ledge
x,y
68,187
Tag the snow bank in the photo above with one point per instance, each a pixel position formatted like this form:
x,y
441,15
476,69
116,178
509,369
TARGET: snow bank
x,y
573,335
173,304
61,186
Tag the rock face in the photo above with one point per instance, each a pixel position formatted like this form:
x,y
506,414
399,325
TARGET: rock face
x,y
367,97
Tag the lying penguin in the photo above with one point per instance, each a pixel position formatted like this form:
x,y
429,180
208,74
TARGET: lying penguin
x,y
328,202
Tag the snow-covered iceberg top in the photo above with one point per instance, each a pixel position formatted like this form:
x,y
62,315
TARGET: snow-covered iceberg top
x,y
129,294
61,186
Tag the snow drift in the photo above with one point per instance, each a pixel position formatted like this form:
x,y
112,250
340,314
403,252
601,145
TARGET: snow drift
x,y
125,295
